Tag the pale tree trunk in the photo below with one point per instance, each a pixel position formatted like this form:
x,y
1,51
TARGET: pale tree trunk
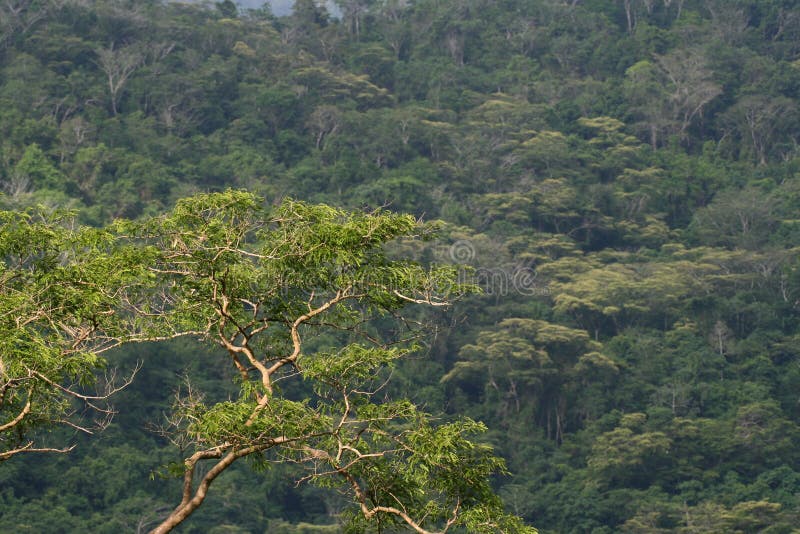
x,y
118,66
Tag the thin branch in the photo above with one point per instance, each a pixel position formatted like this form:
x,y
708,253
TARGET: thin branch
x,y
89,398
25,411
427,300
29,448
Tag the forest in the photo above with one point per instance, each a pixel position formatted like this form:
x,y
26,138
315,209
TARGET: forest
x,y
605,192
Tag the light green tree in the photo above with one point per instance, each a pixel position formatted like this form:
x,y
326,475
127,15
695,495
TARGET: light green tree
x,y
59,313
289,296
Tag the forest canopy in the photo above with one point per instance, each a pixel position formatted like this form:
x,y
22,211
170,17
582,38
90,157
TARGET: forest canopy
x,y
619,177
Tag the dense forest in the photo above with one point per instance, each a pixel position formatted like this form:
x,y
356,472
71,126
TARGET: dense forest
x,y
619,177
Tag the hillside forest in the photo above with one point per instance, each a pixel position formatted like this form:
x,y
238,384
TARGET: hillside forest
x,y
613,187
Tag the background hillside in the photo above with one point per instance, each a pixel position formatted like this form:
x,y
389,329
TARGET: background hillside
x,y
622,175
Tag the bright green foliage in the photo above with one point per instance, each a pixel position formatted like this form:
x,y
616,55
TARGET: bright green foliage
x,y
59,310
262,285
528,366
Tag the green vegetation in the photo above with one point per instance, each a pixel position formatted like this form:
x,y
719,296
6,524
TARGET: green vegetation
x,y
263,286
620,175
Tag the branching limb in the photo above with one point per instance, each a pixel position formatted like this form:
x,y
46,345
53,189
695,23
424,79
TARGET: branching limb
x,y
429,300
18,419
193,498
91,400
30,448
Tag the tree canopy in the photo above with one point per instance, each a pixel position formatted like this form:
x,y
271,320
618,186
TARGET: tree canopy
x,y
287,294
619,177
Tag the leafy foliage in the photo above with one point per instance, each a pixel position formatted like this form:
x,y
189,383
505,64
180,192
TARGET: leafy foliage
x,y
624,173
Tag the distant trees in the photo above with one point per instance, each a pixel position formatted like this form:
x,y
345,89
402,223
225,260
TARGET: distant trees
x,y
638,158
670,93
118,65
19,16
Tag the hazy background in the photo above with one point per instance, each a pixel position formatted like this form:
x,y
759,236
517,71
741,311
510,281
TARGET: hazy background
x,y
279,7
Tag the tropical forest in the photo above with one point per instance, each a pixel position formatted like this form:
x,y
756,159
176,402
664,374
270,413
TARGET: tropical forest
x,y
383,266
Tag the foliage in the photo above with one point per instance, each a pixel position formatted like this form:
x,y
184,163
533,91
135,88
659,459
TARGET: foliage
x,y
58,303
621,175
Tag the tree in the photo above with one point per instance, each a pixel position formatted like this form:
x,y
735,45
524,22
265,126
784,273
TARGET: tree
x,y
628,453
644,89
738,218
353,13
625,293
763,123
35,169
289,296
323,122
308,29
19,16
118,66
633,11
58,315
535,366
691,85
668,95
227,9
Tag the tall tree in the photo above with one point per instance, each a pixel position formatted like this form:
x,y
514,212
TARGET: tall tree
x,y
118,65
289,296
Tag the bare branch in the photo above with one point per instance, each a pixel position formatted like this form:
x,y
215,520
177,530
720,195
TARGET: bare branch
x,y
18,419
30,448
